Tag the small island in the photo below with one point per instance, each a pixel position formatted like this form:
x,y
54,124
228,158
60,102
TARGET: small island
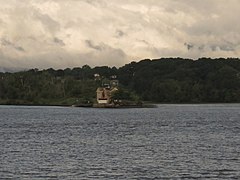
x,y
111,96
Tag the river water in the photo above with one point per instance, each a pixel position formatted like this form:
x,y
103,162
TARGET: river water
x,y
168,142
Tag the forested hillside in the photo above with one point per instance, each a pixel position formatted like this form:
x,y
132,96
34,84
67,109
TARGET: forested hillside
x,y
171,80
184,81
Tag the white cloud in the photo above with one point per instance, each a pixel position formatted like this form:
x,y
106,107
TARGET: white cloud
x,y
67,33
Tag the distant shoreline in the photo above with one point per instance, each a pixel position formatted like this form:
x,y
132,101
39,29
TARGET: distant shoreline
x,y
152,105
164,81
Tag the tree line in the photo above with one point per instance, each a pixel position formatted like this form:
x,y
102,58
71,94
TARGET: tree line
x,y
165,80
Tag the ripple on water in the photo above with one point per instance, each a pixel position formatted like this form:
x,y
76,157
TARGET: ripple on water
x,y
168,142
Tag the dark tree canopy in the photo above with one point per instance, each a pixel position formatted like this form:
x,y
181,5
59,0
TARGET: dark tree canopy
x,y
166,80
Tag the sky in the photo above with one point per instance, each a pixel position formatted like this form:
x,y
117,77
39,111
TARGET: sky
x,y
70,33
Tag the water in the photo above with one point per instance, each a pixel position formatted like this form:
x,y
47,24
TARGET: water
x,y
168,142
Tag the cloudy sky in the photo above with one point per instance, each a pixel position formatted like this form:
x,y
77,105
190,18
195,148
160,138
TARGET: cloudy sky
x,y
68,33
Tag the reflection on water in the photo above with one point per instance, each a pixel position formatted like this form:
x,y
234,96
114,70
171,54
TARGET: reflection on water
x,y
168,142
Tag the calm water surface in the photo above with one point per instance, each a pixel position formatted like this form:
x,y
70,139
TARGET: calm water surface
x,y
168,142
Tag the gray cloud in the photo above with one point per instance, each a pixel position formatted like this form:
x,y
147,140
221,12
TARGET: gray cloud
x,y
189,46
212,47
7,43
90,44
60,33
48,23
120,33
58,41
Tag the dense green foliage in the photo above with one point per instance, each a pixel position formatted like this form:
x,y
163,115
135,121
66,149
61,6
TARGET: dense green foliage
x,y
172,80
123,94
184,81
